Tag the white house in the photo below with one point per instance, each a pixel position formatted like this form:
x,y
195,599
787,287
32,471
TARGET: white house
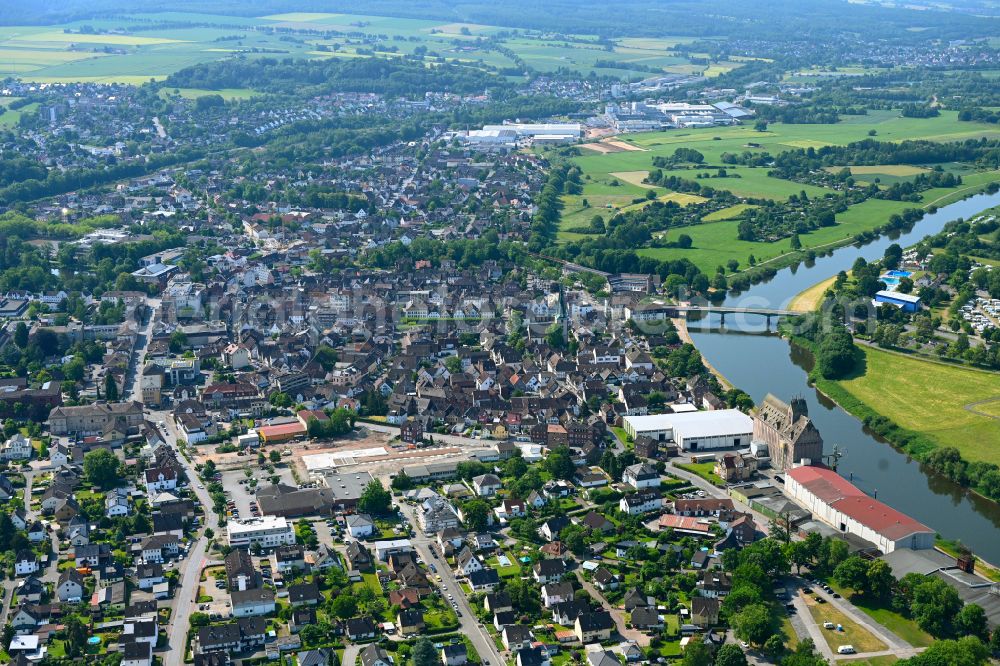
x,y
116,504
17,447
247,603
556,593
486,485
26,563
360,525
639,503
59,455
510,508
467,562
641,475
159,479
148,575
70,586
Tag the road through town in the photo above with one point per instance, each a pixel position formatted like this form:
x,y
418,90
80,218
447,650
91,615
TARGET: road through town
x,y
424,545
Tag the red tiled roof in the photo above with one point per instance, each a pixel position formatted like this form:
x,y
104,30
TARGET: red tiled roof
x,y
880,517
846,498
824,483
687,523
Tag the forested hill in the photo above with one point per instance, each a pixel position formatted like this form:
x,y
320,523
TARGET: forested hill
x,y
743,19
375,75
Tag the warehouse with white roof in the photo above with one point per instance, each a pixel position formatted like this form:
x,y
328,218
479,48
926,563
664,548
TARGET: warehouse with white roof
x,y
695,431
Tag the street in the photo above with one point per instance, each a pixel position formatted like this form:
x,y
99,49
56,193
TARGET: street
x,y
424,545
186,592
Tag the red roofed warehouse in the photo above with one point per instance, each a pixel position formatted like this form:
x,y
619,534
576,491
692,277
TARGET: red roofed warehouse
x,y
837,502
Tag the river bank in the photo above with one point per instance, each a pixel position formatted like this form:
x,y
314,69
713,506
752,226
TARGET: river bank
x,y
761,362
809,299
682,332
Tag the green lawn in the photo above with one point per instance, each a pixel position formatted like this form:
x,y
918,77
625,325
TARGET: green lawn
x,y
704,470
929,398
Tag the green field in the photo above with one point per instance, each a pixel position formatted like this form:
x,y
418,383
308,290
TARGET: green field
x,y
931,398
126,49
612,180
10,117
194,93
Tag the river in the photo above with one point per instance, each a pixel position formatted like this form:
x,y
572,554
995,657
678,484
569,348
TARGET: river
x,y
760,362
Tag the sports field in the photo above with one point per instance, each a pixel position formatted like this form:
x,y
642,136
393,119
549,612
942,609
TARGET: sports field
x,y
126,48
935,399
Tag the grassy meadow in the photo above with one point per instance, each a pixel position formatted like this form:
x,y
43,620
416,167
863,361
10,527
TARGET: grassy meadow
x,y
931,398
613,180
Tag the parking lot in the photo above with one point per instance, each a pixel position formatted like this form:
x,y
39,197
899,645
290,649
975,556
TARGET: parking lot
x,y
210,587
242,495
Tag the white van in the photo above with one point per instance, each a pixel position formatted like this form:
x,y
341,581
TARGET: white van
x,y
846,649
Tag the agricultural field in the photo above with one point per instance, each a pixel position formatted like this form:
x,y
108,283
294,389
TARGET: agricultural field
x,y
139,47
909,391
613,179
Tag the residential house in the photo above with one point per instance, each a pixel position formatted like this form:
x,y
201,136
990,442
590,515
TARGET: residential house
x,y
70,586
705,611
137,653
25,563
715,584
532,656
360,525
639,503
159,479
289,558
646,619
550,528
594,627
641,475
454,655
252,602
361,628
373,655
516,637
304,594
410,621
487,485
485,580
467,562
556,593
548,571
149,575
359,558
604,580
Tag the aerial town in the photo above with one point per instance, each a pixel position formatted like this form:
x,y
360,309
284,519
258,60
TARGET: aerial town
x,y
404,340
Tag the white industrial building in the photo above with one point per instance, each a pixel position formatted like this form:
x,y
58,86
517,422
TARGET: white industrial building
x,y
268,531
510,134
694,431
840,504
491,137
